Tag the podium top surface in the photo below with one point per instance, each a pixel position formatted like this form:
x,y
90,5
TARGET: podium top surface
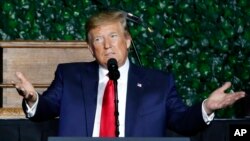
x,y
118,139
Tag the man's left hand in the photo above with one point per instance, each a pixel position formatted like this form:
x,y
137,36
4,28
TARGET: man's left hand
x,y
219,99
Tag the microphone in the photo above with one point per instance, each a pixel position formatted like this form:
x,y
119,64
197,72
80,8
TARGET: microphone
x,y
114,73
133,18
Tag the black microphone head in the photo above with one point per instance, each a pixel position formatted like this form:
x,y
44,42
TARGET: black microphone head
x,y
112,64
114,73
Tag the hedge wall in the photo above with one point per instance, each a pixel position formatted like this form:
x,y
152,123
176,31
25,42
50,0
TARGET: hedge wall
x,y
204,43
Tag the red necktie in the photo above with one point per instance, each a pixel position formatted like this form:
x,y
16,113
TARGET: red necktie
x,y
107,128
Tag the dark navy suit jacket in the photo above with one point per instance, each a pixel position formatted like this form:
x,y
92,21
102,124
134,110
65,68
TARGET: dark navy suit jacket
x,y
152,106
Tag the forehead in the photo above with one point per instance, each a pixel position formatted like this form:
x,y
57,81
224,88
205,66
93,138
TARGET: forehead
x,y
107,28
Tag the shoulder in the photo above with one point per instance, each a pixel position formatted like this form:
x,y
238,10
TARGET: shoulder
x,y
76,66
152,73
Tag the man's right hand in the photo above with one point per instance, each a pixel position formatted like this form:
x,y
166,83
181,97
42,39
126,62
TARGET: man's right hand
x,y
25,89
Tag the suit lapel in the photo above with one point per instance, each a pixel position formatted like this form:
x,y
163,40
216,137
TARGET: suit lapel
x,y
90,87
134,94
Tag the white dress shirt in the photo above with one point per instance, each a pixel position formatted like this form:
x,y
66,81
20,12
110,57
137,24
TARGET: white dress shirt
x,y
122,94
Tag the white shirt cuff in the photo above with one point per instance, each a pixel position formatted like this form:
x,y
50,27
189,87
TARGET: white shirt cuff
x,y
207,118
32,110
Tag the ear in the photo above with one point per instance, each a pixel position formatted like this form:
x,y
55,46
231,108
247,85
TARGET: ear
x,y
91,50
128,41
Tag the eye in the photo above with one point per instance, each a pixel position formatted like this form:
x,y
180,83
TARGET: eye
x,y
98,40
114,35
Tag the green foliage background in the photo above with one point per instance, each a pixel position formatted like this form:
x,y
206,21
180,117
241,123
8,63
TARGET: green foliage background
x,y
203,42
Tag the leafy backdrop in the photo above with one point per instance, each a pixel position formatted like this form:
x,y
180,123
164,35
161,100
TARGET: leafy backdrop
x,y
204,43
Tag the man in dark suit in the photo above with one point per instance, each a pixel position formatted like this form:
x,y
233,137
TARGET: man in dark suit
x,y
148,101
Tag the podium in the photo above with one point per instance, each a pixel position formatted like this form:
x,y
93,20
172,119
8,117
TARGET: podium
x,y
119,139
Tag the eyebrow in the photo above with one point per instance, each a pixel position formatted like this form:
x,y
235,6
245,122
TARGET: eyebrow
x,y
114,33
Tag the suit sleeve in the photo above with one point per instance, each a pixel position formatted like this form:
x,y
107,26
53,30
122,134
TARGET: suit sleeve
x,y
181,118
49,102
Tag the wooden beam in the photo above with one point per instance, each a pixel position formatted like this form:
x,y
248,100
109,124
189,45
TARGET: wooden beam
x,y
8,85
11,113
43,44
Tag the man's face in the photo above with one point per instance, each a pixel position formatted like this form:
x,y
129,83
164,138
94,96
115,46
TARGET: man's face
x,y
109,41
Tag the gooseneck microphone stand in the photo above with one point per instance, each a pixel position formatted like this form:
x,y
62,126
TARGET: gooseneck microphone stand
x,y
114,74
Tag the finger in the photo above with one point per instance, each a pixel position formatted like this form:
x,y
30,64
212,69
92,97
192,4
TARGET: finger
x,y
17,86
20,92
13,82
28,96
231,99
225,86
238,95
21,77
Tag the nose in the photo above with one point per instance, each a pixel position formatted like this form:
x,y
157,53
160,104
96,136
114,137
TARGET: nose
x,y
107,43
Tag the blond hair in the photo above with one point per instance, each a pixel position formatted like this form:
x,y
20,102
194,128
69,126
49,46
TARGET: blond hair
x,y
106,17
